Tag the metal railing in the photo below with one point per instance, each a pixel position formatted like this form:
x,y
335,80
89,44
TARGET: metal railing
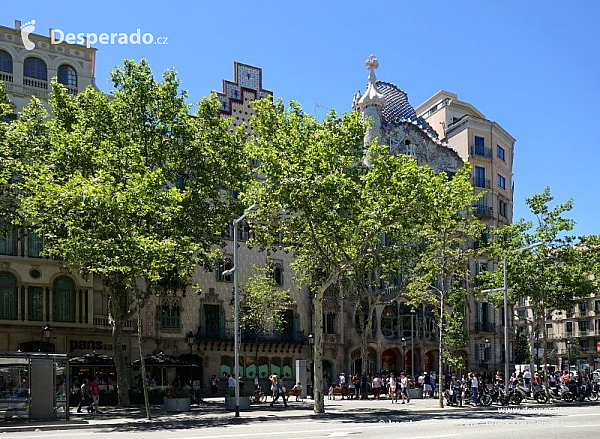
x,y
481,182
481,151
486,211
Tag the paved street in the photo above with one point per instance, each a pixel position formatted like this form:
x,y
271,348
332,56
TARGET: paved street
x,y
419,420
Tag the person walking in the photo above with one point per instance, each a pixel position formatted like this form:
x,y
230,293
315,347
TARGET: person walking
x,y
280,386
474,388
95,394
392,388
84,393
404,387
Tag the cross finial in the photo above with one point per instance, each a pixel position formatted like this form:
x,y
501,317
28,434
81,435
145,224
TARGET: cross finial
x,y
372,63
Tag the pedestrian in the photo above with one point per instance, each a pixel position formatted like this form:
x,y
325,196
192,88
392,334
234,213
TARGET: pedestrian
x,y
84,395
392,388
376,386
214,385
280,390
273,379
95,395
427,389
404,387
474,388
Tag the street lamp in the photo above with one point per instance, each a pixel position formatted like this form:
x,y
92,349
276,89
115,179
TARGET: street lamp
x,y
236,317
190,341
311,346
505,289
403,354
569,356
47,332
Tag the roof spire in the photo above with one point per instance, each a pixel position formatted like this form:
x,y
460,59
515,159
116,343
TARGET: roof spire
x,y
371,95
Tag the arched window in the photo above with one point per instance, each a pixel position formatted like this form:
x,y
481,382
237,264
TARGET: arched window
x,y
67,76
63,300
8,296
170,313
6,63
35,68
389,321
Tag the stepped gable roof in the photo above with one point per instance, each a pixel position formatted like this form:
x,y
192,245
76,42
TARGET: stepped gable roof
x,y
398,109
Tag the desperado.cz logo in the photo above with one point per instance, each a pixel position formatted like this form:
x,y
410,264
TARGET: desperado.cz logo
x,y
57,36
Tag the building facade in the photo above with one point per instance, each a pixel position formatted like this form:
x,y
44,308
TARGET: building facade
x,y
489,149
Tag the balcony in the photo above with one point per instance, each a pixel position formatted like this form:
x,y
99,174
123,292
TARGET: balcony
x,y
484,211
481,151
6,77
103,322
484,327
481,182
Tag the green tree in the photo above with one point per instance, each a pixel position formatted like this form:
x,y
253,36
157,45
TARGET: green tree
x,y
338,205
551,276
129,188
441,272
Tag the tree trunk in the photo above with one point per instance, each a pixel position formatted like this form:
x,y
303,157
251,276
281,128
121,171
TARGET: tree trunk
x,y
118,321
319,401
141,350
440,351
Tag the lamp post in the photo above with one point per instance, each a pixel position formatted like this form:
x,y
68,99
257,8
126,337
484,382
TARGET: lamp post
x,y
311,346
505,289
403,354
47,334
569,356
190,341
236,317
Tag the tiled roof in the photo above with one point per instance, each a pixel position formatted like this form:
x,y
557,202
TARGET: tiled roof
x,y
398,109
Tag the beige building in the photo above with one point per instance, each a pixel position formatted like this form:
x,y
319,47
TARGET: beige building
x,y
490,150
36,291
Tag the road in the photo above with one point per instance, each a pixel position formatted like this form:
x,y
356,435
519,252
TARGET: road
x,y
582,422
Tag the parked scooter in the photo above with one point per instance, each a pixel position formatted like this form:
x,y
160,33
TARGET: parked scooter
x,y
453,394
561,392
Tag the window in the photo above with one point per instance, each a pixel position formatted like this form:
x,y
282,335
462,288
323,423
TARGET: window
x,y
482,352
276,273
329,323
583,326
479,145
287,325
500,153
6,63
569,327
480,180
501,181
35,244
35,304
8,242
170,314
597,306
583,308
35,68
212,316
503,208
484,316
8,296
389,321
67,76
63,300
223,266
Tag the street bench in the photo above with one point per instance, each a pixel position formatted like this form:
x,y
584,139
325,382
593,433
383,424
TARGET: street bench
x,y
296,393
343,391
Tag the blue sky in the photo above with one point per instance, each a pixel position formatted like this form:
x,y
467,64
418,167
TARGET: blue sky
x,y
533,67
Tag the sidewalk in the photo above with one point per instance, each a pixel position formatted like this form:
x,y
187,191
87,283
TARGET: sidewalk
x,y
212,412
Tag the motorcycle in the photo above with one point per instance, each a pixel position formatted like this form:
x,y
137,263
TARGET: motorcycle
x,y
453,395
512,396
587,391
561,392
538,395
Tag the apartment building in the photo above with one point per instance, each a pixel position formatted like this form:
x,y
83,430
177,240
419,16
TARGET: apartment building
x,y
490,150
